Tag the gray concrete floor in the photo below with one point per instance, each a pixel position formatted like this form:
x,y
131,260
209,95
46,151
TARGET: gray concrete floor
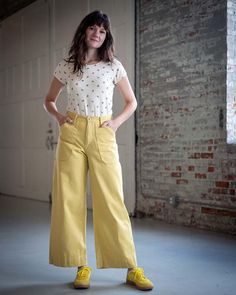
x,y
180,261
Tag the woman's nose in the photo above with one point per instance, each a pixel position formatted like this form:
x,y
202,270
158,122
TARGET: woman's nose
x,y
96,32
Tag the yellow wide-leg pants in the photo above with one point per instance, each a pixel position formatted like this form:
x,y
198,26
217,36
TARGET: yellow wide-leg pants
x,y
86,146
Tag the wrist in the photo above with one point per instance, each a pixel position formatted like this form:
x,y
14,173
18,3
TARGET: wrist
x,y
117,122
58,116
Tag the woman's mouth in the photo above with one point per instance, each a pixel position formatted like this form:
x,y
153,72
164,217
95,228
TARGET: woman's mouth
x,y
94,40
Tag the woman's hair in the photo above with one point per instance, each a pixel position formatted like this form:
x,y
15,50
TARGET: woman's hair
x,y
78,49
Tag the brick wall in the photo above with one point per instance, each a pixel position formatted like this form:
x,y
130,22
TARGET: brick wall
x,y
182,148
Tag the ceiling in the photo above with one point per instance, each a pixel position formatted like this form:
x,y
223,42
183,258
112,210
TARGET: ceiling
x,y
8,7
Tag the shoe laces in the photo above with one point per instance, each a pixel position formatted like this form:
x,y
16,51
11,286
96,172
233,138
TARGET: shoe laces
x,y
139,274
83,272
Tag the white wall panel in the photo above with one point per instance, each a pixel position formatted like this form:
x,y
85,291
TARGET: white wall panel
x,y
11,118
35,124
66,17
36,169
25,72
11,40
35,26
2,82
11,164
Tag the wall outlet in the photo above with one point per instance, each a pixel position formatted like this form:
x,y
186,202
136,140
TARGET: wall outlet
x,y
174,201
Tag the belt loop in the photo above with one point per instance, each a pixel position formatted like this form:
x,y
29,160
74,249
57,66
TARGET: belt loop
x,y
75,119
100,121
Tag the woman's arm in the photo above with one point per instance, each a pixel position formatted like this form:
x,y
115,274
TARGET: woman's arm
x,y
127,93
50,101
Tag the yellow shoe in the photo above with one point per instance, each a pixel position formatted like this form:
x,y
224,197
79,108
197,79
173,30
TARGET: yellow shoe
x,y
82,280
136,277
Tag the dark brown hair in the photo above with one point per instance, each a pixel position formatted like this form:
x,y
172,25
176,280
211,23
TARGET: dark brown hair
x,y
78,49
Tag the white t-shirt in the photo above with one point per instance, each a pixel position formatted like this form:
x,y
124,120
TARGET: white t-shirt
x,y
91,94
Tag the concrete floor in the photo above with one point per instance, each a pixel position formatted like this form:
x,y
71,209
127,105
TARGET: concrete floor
x,y
180,261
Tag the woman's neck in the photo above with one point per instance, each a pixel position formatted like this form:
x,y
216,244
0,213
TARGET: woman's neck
x,y
92,56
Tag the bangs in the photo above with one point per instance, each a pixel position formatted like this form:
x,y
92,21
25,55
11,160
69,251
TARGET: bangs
x,y
98,19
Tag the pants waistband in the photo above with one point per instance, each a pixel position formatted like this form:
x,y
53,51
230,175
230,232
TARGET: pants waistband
x,y
76,117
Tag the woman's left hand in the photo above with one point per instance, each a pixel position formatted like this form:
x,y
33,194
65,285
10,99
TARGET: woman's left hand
x,y
110,124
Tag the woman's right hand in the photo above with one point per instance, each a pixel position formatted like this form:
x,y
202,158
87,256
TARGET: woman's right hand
x,y
64,119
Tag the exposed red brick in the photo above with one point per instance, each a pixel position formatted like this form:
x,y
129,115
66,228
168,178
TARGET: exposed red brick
x,y
193,33
156,114
178,168
175,97
223,191
232,192
222,184
183,109
195,156
203,195
191,168
148,82
176,174
219,212
216,191
200,175
181,181
207,155
204,149
144,29
219,198
210,141
210,197
230,177
211,169
209,93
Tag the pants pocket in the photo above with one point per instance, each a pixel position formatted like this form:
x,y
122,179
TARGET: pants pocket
x,y
67,137
107,146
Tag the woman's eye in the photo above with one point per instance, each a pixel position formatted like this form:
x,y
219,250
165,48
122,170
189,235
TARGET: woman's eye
x,y
102,32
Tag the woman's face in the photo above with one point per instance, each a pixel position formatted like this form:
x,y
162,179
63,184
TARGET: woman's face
x,y
95,36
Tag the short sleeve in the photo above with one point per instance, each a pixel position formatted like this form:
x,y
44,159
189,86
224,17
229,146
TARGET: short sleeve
x,y
120,72
62,72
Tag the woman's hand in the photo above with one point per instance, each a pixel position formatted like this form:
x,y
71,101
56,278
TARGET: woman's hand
x,y
111,124
64,119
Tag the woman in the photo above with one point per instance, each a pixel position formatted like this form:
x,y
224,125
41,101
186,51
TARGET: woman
x,y
87,141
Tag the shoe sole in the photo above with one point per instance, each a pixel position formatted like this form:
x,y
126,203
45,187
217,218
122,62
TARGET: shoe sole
x,y
81,286
140,288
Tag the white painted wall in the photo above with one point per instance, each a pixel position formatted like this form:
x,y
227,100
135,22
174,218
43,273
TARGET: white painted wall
x,y
32,41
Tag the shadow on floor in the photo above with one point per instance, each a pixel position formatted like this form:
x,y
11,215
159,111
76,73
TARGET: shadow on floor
x,y
67,288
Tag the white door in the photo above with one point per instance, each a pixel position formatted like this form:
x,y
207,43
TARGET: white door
x,y
33,41
24,71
